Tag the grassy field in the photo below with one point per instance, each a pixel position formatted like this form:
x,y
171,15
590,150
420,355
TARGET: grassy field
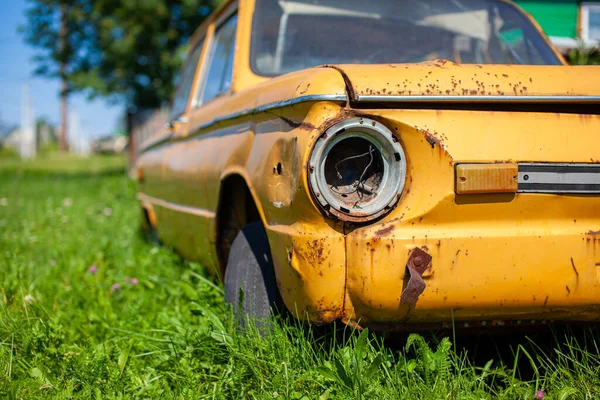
x,y
88,309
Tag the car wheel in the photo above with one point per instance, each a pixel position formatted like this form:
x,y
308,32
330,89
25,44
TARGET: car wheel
x,y
250,285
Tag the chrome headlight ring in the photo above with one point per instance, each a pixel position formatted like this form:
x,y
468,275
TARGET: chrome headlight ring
x,y
357,170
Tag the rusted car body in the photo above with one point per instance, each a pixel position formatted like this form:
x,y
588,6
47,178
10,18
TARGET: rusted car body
x,y
466,191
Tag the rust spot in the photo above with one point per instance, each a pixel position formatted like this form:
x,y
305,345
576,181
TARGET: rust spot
x,y
384,231
324,315
568,290
593,233
574,268
305,126
318,246
434,138
546,301
439,63
304,90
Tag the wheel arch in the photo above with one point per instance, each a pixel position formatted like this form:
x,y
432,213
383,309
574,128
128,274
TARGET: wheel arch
x,y
238,205
148,215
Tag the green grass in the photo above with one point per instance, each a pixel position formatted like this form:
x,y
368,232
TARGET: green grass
x,y
66,332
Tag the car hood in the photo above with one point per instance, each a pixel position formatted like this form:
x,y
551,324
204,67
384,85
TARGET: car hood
x,y
442,80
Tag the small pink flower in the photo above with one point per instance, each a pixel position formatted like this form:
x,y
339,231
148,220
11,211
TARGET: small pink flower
x,y
92,269
539,395
127,279
134,281
115,287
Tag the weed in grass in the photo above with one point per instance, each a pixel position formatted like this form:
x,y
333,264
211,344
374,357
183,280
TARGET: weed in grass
x,y
88,309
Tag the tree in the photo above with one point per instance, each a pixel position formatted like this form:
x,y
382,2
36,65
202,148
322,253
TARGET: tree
x,y
127,50
58,30
138,49
138,46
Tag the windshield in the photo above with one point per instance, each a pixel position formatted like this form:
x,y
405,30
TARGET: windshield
x,y
292,35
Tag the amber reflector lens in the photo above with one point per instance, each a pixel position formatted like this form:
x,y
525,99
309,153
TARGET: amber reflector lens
x,y
486,178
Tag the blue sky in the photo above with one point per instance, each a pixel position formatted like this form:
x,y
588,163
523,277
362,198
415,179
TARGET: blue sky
x,y
96,118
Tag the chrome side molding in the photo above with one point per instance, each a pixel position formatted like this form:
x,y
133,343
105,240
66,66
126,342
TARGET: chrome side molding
x,y
559,178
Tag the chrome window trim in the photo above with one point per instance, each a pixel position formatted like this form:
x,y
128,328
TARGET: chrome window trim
x,y
199,45
478,99
200,70
197,99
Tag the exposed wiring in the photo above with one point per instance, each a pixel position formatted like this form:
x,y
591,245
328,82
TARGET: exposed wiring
x,y
360,180
357,184
349,158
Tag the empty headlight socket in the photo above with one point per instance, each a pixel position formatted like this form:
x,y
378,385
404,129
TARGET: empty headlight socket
x,y
357,170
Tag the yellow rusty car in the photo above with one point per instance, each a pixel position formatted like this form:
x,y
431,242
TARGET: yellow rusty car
x,y
389,163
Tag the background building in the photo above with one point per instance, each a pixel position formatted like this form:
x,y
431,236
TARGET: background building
x,y
569,23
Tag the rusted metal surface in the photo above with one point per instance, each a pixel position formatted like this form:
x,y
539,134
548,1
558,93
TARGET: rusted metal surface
x,y
454,81
417,263
384,231
416,285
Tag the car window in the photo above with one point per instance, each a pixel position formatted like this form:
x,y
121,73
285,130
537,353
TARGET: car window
x,y
518,48
218,77
288,35
186,79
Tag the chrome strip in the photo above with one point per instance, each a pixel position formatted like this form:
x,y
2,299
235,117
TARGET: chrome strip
x,y
200,212
251,111
157,142
272,106
559,178
479,99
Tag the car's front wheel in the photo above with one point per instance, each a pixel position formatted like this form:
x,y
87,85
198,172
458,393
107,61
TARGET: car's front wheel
x,y
250,284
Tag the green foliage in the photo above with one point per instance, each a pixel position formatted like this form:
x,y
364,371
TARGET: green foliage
x,y
583,56
67,332
139,46
124,49
8,152
354,366
43,32
430,365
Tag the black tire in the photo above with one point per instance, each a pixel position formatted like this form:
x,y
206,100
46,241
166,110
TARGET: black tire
x,y
250,284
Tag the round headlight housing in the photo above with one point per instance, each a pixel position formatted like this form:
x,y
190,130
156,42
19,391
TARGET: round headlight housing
x,y
357,170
